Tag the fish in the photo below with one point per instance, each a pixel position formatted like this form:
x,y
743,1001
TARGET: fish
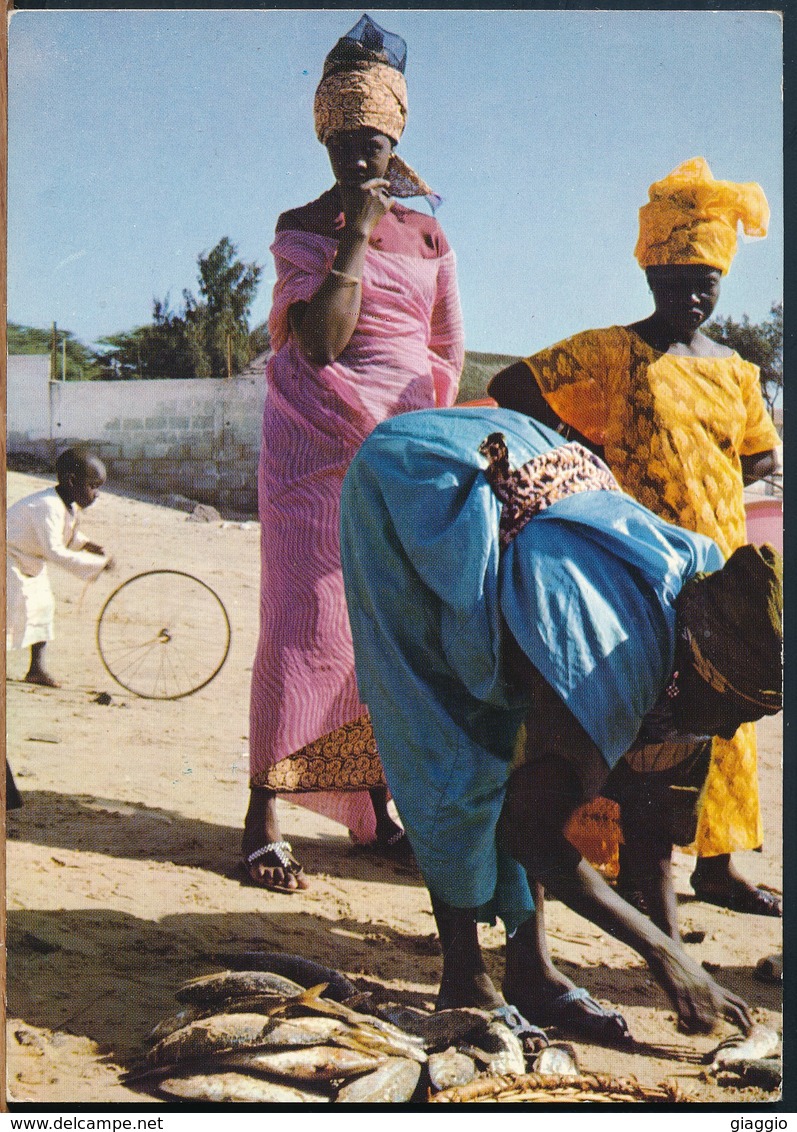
x,y
407,1018
500,1050
759,1043
365,1037
311,1063
212,990
763,1073
448,1027
390,1037
222,1033
392,1083
304,971
557,1060
221,1088
451,1068
174,1022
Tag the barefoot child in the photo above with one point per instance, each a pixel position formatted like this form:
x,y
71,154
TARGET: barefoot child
x,y
43,528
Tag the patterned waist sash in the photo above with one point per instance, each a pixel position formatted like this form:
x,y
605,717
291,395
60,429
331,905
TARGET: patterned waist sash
x,y
544,480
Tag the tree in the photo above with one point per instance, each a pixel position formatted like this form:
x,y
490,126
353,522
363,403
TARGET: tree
x,y
210,337
81,362
220,323
760,343
259,340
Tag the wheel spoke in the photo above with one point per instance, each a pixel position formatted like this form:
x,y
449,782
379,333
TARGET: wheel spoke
x,y
163,634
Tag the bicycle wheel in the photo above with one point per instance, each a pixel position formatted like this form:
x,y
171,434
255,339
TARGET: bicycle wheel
x,y
163,634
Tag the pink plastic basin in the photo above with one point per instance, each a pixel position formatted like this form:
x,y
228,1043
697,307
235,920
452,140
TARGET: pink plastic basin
x,y
765,522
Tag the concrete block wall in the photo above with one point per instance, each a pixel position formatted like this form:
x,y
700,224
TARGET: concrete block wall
x,y
197,438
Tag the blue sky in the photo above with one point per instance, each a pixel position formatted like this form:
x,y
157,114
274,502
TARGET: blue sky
x,y
137,139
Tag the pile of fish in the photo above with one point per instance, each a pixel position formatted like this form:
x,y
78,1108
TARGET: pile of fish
x,y
260,1036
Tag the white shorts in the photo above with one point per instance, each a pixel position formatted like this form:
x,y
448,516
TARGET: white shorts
x,y
30,608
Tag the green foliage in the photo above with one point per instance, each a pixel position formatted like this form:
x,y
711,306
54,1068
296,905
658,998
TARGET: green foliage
x,y
757,342
81,364
477,372
210,337
259,340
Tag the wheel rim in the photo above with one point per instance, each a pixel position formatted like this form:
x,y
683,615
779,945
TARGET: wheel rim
x,y
163,634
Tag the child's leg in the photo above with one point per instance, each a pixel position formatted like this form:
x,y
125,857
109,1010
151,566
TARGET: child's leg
x,y
37,673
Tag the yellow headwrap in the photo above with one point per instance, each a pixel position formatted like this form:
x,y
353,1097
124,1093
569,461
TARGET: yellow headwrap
x,y
691,218
373,95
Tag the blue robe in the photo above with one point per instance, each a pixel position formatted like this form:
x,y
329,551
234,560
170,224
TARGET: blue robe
x,y
587,588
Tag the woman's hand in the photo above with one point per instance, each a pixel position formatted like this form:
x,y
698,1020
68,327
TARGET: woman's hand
x,y
364,205
698,999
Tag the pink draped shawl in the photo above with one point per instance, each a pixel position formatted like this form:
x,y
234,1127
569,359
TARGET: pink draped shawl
x,y
406,353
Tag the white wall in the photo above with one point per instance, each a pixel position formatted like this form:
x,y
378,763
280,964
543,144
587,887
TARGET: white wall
x,y
198,438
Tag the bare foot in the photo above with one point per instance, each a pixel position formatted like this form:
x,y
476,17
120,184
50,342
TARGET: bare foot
x,y
716,880
42,678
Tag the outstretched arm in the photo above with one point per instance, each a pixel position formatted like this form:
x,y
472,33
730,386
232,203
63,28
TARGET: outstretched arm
x,y
541,796
759,466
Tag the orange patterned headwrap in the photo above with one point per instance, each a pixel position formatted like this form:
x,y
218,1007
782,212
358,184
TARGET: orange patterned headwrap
x,y
370,94
691,218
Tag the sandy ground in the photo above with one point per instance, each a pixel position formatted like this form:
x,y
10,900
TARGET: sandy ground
x,y
120,869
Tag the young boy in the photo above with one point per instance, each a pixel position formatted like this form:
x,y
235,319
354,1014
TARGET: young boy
x,y
43,528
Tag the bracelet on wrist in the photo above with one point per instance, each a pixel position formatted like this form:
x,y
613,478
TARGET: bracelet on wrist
x,y
351,279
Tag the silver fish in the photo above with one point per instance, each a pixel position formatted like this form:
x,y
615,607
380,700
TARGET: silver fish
x,y
222,1033
221,1088
759,1043
557,1060
312,1063
212,990
392,1083
500,1050
451,1068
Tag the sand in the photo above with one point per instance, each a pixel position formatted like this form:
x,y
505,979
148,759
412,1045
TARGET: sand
x,y
121,878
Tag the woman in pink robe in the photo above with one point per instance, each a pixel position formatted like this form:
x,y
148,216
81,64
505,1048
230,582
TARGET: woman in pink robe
x,y
365,325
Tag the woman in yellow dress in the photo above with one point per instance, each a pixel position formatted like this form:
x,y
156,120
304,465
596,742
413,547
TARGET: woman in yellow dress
x,y
682,424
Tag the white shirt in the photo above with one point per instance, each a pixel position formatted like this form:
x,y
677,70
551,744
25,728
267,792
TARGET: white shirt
x,y
41,529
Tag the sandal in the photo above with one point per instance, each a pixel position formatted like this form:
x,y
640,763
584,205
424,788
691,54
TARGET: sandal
x,y
578,1013
395,848
739,897
275,855
520,1026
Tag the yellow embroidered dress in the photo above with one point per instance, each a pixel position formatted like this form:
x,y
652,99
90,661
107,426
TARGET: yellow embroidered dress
x,y
673,429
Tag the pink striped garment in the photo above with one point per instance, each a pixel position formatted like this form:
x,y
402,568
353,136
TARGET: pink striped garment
x,y
406,353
